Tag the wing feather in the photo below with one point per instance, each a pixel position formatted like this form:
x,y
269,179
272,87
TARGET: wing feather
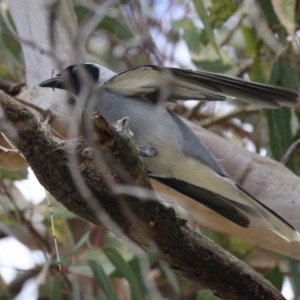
x,y
197,85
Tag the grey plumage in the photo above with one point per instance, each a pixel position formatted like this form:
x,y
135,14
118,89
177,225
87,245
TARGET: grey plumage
x,y
178,158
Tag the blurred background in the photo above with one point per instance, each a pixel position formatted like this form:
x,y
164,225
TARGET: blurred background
x,y
256,40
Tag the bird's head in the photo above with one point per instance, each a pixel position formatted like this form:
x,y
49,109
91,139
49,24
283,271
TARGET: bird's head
x,y
73,77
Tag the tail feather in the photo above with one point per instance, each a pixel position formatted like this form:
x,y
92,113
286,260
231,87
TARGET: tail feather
x,y
269,218
237,212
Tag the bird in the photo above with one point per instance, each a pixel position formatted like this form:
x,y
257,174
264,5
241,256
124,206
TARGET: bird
x,y
174,155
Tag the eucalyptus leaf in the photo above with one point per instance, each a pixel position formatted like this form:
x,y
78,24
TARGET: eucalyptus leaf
x,y
276,278
207,295
279,120
295,276
126,272
171,276
102,280
221,11
75,288
202,12
286,11
56,289
216,66
191,34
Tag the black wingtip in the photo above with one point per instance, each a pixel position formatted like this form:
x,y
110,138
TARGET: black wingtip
x,y
209,199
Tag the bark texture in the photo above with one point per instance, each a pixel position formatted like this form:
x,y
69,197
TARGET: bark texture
x,y
85,185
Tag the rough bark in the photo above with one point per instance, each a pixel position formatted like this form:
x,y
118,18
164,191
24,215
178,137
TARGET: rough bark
x,y
269,181
149,224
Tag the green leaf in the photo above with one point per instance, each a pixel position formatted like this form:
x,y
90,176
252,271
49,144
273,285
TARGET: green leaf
x,y
171,276
200,8
125,271
81,13
285,11
279,120
257,74
295,276
80,268
191,34
102,280
136,269
250,37
75,288
280,131
56,291
102,296
111,25
269,12
221,11
276,278
216,66
207,295
99,257
116,28
82,241
234,245
14,175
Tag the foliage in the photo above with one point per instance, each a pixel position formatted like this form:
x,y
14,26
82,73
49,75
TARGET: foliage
x,y
215,38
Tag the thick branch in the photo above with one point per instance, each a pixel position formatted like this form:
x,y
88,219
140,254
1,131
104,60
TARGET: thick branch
x,y
150,224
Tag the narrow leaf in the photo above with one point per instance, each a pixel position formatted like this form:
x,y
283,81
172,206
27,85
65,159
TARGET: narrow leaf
x,y
124,269
56,292
207,295
216,66
191,34
102,296
285,11
136,269
221,11
279,120
276,278
81,241
295,276
75,288
102,280
172,279
201,10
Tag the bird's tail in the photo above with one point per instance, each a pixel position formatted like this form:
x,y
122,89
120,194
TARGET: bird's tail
x,y
268,217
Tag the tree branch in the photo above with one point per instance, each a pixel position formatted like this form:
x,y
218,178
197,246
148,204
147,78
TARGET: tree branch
x,y
149,224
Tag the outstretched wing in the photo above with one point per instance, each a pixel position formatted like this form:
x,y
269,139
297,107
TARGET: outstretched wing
x,y
177,84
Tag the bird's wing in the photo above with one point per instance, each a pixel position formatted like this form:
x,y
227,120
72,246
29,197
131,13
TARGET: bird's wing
x,y
222,195
213,201
196,173
177,84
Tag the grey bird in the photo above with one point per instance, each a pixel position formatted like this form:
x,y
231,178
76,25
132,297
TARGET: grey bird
x,y
173,153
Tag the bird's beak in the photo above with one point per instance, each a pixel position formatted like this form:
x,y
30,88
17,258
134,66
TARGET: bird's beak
x,y
55,83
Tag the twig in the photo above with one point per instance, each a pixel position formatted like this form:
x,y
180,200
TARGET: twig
x,y
249,109
289,153
11,88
